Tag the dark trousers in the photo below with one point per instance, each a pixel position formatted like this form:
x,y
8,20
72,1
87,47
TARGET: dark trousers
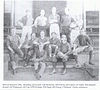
x,y
29,52
16,51
56,60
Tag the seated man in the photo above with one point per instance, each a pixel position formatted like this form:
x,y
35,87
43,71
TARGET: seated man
x,y
83,43
41,55
62,54
30,48
13,42
54,44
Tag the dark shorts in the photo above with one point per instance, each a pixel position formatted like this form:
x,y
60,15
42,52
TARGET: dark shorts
x,y
53,49
59,57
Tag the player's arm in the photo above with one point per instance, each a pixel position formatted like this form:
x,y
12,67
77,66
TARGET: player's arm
x,y
36,22
20,22
69,49
46,42
88,40
18,40
75,44
36,42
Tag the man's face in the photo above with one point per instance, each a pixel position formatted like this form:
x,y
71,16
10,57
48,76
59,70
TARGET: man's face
x,y
42,12
53,35
42,34
64,39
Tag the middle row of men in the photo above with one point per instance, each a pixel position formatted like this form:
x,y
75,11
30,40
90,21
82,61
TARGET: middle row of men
x,y
41,49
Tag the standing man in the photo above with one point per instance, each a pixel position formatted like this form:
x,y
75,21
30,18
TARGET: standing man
x,y
41,22
26,23
54,20
66,20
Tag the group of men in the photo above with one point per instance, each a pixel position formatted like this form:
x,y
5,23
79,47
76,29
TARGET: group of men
x,y
37,47
55,22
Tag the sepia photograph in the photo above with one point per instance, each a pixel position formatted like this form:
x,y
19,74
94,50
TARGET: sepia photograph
x,y
48,40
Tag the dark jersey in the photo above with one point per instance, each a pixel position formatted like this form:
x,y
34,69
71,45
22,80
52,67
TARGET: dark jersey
x,y
42,41
13,41
66,20
41,50
26,21
83,40
55,41
64,48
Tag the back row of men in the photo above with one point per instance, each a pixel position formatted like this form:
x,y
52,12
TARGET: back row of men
x,y
57,24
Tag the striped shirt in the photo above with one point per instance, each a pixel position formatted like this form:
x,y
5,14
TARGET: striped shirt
x,y
56,17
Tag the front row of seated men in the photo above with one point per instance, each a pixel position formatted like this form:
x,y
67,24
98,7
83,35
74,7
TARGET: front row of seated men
x,y
41,49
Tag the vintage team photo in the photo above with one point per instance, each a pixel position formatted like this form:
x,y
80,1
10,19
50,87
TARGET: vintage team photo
x,y
51,40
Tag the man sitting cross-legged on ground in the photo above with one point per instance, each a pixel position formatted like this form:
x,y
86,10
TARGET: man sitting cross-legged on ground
x,y
63,53
41,55
83,43
13,42
30,48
